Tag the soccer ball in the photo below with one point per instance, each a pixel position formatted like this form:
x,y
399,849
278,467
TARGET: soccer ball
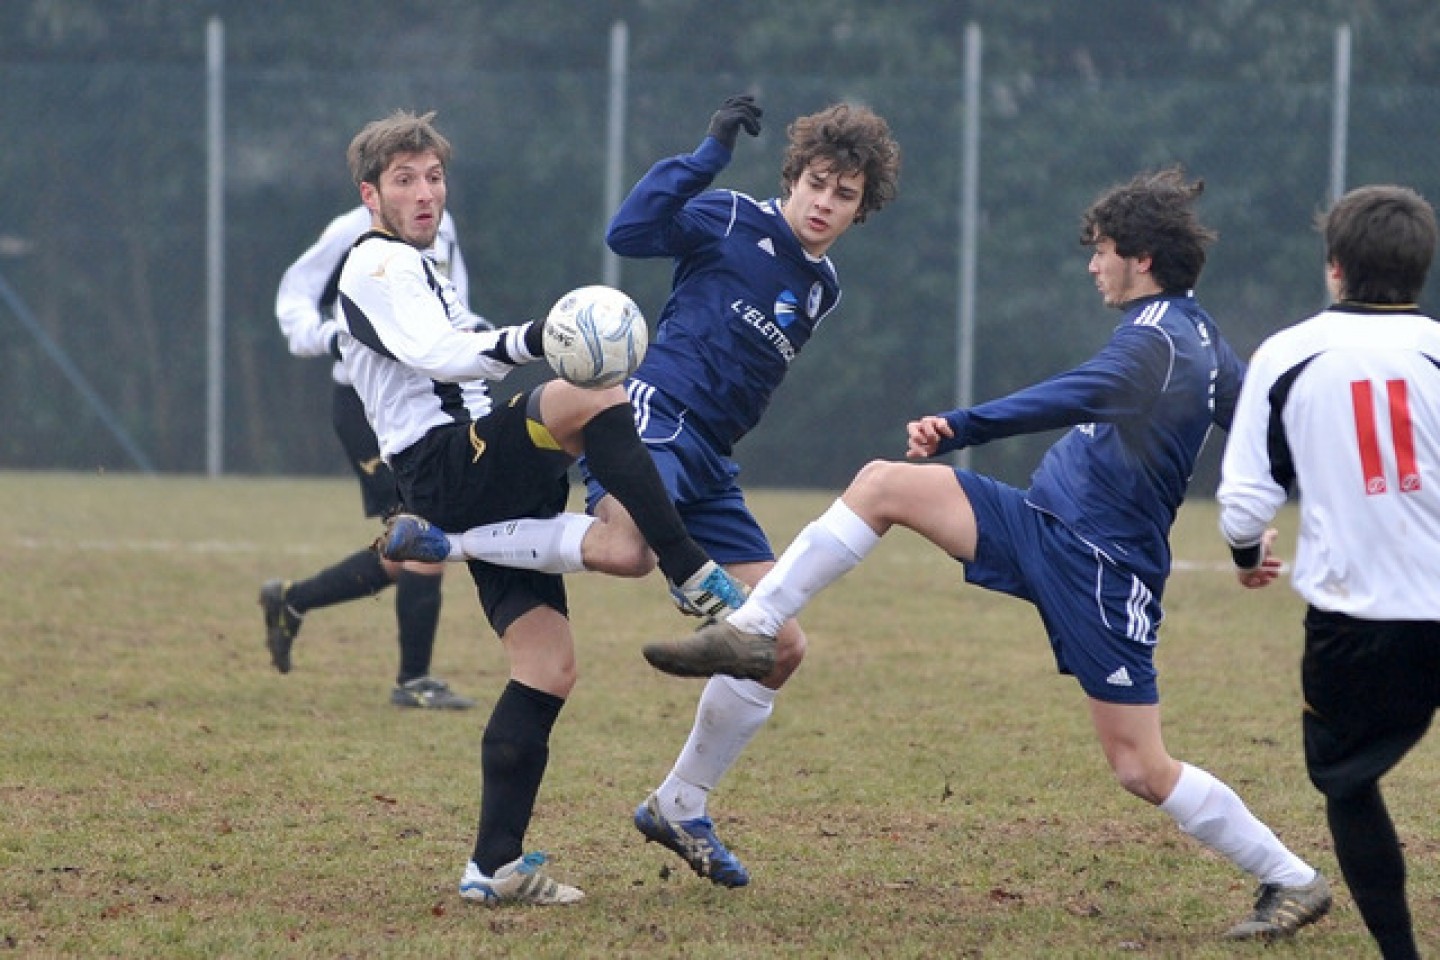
x,y
595,337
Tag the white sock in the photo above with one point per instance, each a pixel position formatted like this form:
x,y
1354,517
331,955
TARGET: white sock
x,y
729,715
1215,815
827,549
551,545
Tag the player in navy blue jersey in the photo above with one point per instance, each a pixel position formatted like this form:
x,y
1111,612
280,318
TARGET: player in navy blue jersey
x,y
1087,543
1345,409
752,283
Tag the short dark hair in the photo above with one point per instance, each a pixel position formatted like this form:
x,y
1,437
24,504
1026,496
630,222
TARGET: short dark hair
x,y
1153,215
381,141
849,139
1383,239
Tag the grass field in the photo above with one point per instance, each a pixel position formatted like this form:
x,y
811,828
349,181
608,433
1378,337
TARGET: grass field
x,y
927,787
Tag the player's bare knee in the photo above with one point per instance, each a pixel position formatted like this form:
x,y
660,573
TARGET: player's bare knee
x,y
1138,780
790,646
617,550
872,491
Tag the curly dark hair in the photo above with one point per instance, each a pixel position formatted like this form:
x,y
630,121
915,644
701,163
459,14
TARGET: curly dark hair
x,y
1153,216
847,139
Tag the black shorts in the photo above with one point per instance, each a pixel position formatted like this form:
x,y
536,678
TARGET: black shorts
x,y
1371,689
501,467
378,493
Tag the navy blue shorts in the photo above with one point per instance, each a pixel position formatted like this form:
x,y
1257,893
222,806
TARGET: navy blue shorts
x,y
699,480
1102,621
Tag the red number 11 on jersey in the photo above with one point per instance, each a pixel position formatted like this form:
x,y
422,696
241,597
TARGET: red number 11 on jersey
x,y
1402,435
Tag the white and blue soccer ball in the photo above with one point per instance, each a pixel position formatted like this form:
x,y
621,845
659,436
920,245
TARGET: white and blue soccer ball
x,y
595,337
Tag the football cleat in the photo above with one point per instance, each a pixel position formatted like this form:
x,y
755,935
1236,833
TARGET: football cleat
x,y
695,842
1280,911
281,623
428,693
408,537
715,648
519,881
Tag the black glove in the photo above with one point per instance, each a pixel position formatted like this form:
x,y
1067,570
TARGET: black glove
x,y
734,113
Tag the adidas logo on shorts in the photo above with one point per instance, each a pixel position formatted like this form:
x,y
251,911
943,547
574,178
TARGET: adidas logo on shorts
x,y
1120,678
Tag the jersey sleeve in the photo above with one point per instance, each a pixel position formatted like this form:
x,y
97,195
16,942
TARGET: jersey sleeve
x,y
1120,381
395,284
306,295
658,219
1249,495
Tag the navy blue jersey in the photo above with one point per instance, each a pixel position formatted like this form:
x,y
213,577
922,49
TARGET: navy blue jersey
x,y
745,297
1141,409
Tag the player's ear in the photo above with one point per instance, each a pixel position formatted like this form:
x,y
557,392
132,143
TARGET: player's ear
x,y
369,195
1335,280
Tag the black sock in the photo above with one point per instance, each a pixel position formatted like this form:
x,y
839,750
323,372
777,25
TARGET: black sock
x,y
618,459
359,575
417,612
1374,868
513,756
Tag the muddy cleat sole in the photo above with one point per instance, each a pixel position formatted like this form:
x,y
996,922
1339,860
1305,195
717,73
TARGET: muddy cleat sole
x,y
408,537
521,881
427,693
715,648
1280,911
695,842
281,623
710,592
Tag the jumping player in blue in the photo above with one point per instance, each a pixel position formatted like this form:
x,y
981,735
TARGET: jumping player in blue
x,y
752,283
1088,542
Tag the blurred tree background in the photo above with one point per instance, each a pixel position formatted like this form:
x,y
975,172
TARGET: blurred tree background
x,y
102,219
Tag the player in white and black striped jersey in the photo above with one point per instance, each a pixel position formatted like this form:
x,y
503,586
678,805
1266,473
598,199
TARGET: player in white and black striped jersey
x,y
305,308
1345,408
462,462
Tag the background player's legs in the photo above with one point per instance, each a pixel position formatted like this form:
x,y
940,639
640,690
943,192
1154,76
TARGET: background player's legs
x,y
285,603
417,615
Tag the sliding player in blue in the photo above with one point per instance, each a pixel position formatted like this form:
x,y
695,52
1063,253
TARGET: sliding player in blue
x,y
1088,542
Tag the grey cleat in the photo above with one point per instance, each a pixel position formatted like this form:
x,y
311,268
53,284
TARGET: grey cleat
x,y
1280,911
715,648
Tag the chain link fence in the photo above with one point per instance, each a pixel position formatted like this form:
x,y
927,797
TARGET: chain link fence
x,y
102,237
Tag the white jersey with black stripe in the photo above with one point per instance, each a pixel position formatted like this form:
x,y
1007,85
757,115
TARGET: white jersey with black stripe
x,y
408,346
1345,407
305,300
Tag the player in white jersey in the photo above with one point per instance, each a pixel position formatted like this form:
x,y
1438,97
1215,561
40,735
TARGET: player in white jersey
x,y
1345,406
1087,543
305,308
421,370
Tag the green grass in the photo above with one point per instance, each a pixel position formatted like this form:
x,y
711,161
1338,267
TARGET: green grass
x,y
927,787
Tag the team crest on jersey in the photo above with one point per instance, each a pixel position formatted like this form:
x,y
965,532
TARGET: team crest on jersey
x,y
785,309
812,303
